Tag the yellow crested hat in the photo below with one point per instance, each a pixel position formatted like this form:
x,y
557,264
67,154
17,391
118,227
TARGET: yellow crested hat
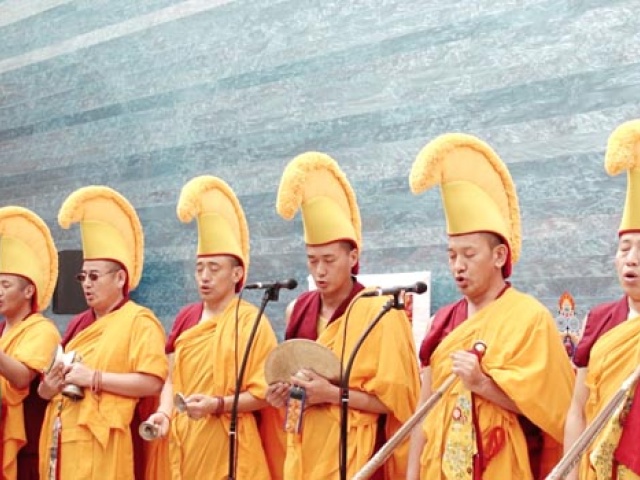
x,y
109,226
314,183
27,250
623,153
222,226
478,194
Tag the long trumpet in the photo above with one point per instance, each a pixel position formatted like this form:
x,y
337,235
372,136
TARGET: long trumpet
x,y
382,455
572,457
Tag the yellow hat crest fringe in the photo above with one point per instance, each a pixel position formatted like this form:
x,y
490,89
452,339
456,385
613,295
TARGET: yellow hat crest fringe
x,y
429,170
39,262
194,202
623,148
623,154
297,184
108,209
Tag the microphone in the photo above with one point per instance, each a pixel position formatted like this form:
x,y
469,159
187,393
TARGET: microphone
x,y
289,284
418,287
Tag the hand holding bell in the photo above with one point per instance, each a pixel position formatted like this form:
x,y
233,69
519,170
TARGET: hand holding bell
x,y
149,431
57,373
199,405
154,427
78,374
52,381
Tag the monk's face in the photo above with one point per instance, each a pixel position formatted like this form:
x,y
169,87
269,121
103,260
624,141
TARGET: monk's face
x,y
628,264
102,284
15,295
217,277
476,262
330,265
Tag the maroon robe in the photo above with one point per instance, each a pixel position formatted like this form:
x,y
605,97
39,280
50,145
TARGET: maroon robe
x,y
187,317
304,317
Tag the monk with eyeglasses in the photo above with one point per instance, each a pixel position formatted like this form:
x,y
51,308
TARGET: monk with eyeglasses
x,y
119,346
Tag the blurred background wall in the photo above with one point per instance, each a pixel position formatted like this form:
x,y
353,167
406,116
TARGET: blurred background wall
x,y
144,95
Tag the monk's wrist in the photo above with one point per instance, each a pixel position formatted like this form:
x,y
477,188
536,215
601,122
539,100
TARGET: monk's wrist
x,y
333,396
217,406
164,414
45,392
484,386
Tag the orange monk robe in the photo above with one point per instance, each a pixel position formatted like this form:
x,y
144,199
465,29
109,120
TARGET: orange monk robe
x,y
205,362
386,367
31,342
151,458
274,440
613,357
527,360
95,439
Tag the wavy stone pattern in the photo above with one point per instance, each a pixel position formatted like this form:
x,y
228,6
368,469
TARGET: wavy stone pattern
x,y
144,95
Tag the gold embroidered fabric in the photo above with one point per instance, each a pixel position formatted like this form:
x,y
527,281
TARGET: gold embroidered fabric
x,y
460,445
601,457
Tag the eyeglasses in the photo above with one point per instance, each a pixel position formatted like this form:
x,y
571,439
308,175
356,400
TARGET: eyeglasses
x,y
92,276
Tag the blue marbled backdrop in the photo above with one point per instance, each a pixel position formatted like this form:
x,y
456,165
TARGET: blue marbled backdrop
x,y
144,95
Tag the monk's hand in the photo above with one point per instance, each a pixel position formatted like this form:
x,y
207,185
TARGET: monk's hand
x,y
317,388
199,405
467,367
52,382
160,420
78,374
277,394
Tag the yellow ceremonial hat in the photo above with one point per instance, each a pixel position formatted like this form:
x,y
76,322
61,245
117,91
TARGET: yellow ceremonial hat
x,y
478,194
623,153
314,183
27,250
222,226
109,226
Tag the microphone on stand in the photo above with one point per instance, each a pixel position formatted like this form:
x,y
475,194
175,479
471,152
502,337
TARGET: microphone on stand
x,y
289,284
395,302
418,287
271,292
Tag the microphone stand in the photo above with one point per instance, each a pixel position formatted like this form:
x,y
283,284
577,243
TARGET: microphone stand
x,y
271,293
344,383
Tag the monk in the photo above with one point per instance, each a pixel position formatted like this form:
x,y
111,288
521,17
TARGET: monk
x,y
206,345
120,345
501,419
609,349
384,381
28,274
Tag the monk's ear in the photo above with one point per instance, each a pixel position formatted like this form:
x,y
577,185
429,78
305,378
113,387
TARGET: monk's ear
x,y
29,291
121,277
353,257
500,255
238,273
